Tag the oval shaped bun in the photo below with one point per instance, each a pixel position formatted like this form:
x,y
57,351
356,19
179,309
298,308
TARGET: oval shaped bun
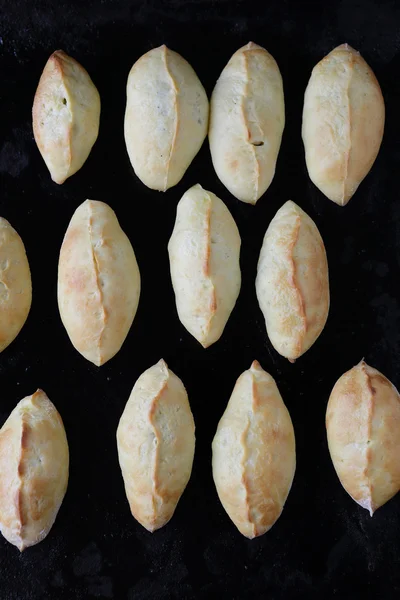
x,y
98,282
66,115
247,118
15,284
363,428
204,254
292,282
254,456
166,118
343,122
34,463
156,440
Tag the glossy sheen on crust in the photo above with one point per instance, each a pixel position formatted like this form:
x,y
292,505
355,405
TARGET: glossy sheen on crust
x,y
34,462
343,122
363,427
166,118
292,281
254,455
98,282
247,118
204,254
156,442
66,115
15,284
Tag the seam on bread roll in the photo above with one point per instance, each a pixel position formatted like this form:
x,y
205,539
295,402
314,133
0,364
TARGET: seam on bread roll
x,y
207,266
157,498
247,122
96,268
302,329
164,54
370,404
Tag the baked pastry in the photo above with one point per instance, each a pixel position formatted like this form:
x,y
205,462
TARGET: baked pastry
x,y
34,464
343,122
66,115
15,284
253,453
247,117
204,254
363,427
166,118
98,282
292,282
155,439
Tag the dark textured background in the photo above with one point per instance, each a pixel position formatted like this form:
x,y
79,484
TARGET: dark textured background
x,y
324,545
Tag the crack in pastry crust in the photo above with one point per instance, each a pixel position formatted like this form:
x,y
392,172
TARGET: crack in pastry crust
x,y
175,92
97,271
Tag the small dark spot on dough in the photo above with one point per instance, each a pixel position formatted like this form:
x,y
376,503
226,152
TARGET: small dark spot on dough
x,y
373,390
64,101
258,143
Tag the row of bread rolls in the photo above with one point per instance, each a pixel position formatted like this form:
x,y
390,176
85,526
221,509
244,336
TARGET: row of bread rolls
x,y
168,116
253,451
99,279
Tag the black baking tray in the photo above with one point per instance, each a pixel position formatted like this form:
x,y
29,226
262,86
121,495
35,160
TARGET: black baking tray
x,y
324,545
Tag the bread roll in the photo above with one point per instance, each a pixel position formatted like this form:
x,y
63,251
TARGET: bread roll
x,y
34,463
254,456
292,281
204,259
66,115
363,427
343,121
247,117
98,282
166,118
155,439
15,284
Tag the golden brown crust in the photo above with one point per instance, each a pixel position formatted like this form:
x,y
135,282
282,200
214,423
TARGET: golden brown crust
x,y
65,115
98,282
33,470
254,453
363,428
292,282
155,439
